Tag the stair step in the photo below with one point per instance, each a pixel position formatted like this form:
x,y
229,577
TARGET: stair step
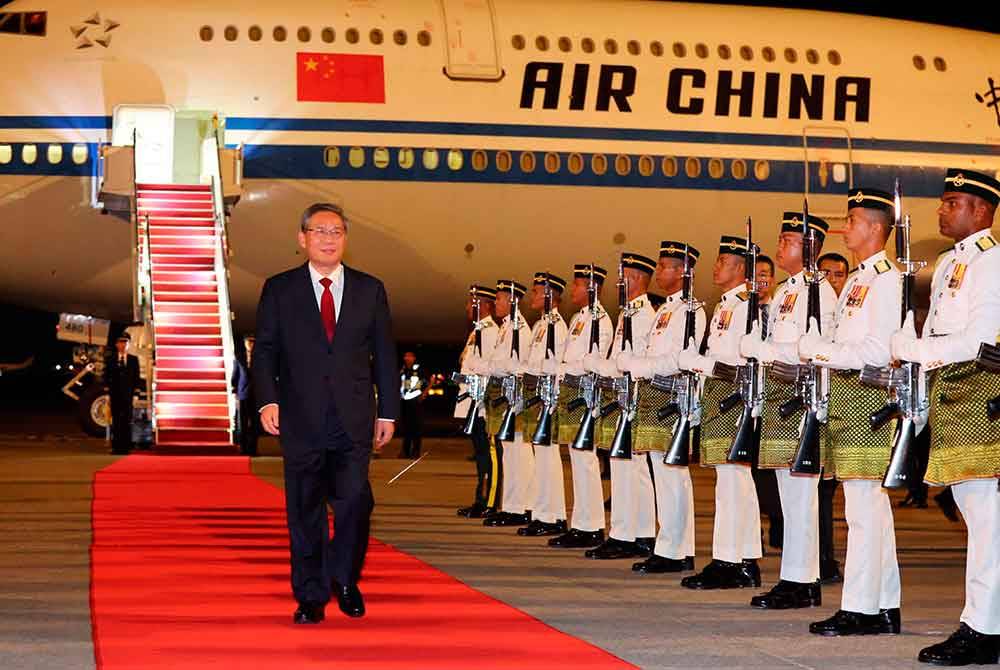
x,y
173,187
180,287
196,363
168,229
169,350
181,328
188,423
187,296
183,263
200,239
186,374
177,410
159,196
183,306
174,319
184,276
200,215
186,221
164,385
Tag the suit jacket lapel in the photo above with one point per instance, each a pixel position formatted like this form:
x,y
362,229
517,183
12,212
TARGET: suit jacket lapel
x,y
348,306
307,299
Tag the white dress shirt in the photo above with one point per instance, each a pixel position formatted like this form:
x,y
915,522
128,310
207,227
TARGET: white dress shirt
x,y
666,338
578,339
536,354
787,320
337,287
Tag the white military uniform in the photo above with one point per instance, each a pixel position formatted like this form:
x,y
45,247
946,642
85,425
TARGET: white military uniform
x,y
965,312
549,503
518,467
867,314
736,534
674,493
488,327
633,501
799,494
588,493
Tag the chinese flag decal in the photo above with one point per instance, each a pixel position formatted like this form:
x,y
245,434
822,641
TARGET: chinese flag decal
x,y
339,78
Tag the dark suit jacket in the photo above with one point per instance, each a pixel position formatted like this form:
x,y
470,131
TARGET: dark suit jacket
x,y
122,381
295,366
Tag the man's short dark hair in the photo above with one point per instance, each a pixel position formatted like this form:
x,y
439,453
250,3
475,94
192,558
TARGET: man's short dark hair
x,y
836,258
766,260
318,207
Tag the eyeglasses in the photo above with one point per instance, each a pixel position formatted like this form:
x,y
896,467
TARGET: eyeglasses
x,y
335,233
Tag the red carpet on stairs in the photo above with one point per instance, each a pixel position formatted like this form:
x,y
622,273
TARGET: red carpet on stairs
x,y
190,569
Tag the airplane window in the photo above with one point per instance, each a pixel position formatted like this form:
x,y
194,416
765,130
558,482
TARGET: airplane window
x,y
634,48
834,57
623,164
738,168
669,166
80,153
431,159
791,55
692,167
598,164
552,163
304,34
352,35
231,33
327,34
424,38
646,166
565,44
812,56
279,34
527,162
768,54
356,157
575,163
331,157
746,53
725,53
716,168
54,154
255,33
940,65
542,43
587,45
517,41
611,46
29,153
919,62
206,33
679,50
479,160
761,170
656,48
380,158
456,159
503,161
399,37
405,158
701,50
6,153
375,36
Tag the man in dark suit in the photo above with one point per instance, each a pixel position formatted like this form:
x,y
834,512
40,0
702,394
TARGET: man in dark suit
x,y
122,374
243,390
324,343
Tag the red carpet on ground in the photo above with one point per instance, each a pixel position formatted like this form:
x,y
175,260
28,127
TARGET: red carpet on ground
x,y
190,570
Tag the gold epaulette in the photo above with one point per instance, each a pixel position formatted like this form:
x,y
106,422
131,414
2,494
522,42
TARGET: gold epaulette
x,y
986,242
743,296
882,266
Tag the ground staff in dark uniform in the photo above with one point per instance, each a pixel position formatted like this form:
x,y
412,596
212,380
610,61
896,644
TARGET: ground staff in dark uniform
x,y
122,373
413,391
243,388
965,445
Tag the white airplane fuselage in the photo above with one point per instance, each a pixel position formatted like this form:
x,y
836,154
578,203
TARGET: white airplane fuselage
x,y
682,121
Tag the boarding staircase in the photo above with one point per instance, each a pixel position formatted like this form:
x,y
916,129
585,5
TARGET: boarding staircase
x,y
181,286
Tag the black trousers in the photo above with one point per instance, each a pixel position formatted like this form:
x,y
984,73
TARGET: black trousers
x,y
335,473
249,430
121,424
413,427
766,482
488,466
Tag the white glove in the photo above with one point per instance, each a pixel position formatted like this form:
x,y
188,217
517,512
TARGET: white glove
x,y
550,366
689,359
625,361
904,345
592,362
812,345
751,346
522,367
573,369
478,366
505,366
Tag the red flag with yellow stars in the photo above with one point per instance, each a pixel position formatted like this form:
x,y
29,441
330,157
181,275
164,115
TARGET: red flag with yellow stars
x,y
340,78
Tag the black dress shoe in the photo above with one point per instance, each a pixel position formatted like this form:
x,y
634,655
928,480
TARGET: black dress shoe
x,y
889,622
749,573
309,613
473,511
847,623
946,501
350,600
540,529
659,564
829,572
645,545
786,595
723,575
965,647
612,549
578,539
507,519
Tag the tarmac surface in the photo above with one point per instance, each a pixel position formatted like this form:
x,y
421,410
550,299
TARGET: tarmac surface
x,y
46,471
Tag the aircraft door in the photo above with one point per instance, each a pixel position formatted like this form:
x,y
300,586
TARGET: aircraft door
x,y
829,171
151,129
471,50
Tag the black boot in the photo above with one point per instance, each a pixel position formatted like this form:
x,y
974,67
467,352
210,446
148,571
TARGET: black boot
x,y
473,511
659,564
787,595
965,647
578,539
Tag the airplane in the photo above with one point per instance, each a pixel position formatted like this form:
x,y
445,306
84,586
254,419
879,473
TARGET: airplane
x,y
472,140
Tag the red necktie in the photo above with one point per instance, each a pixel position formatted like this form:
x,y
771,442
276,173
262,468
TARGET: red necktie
x,y
326,309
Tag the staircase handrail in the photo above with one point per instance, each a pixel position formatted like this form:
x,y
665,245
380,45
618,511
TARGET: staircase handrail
x,y
222,253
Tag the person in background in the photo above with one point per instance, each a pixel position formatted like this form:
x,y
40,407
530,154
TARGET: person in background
x,y
122,374
413,390
836,268
243,390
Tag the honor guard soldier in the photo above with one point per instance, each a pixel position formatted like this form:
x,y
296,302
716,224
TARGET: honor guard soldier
x,y
965,444
549,506
798,492
736,536
589,329
479,310
633,505
866,315
518,472
674,549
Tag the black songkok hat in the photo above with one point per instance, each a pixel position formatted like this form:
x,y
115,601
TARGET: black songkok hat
x,y
557,283
582,271
671,249
973,183
870,198
483,292
639,262
791,222
510,286
729,244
